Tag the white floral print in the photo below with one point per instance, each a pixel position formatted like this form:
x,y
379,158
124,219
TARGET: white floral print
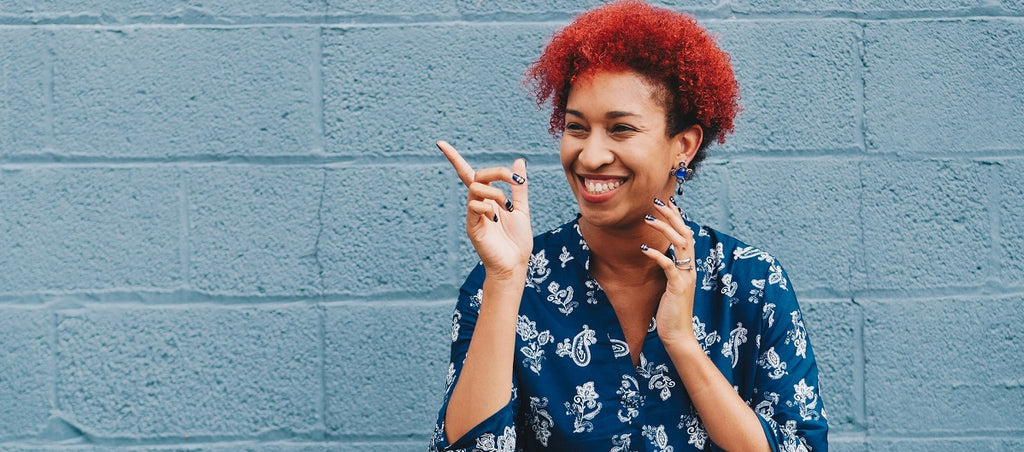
x,y
537,269
657,437
771,362
584,407
540,420
737,337
657,377
579,348
798,335
695,431
630,399
562,298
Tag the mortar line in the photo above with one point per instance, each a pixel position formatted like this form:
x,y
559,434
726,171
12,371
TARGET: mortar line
x,y
317,69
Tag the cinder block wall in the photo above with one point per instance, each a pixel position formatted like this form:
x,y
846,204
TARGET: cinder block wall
x,y
224,226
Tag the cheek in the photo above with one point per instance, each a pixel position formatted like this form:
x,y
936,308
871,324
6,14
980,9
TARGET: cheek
x,y
565,153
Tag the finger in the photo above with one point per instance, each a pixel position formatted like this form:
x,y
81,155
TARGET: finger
x,y
662,260
674,237
462,168
483,209
481,191
494,174
520,195
670,214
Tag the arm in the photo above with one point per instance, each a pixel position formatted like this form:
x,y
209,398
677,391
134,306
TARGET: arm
x,y
500,230
730,422
491,430
485,385
786,378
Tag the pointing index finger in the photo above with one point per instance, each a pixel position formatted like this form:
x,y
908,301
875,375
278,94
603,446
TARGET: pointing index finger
x,y
462,168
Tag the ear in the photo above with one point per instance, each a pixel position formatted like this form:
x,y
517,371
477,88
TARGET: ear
x,y
687,142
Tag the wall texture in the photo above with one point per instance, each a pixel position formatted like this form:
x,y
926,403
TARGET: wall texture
x,y
224,226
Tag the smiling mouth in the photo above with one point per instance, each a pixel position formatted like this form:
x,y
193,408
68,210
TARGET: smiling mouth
x,y
600,186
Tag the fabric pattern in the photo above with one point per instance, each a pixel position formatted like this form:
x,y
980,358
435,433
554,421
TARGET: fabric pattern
x,y
575,386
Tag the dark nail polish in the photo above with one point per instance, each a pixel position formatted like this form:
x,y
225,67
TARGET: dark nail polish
x,y
672,199
518,179
643,246
649,218
495,218
508,205
659,202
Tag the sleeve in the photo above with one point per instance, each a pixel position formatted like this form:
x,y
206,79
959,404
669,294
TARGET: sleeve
x,y
786,397
498,432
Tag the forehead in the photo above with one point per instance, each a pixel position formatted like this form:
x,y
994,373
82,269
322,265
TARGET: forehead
x,y
602,91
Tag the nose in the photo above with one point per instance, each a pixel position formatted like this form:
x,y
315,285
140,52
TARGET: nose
x,y
595,152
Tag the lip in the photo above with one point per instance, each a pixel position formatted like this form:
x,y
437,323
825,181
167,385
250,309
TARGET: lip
x,y
596,198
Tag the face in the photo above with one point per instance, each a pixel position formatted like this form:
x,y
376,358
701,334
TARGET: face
x,y
615,148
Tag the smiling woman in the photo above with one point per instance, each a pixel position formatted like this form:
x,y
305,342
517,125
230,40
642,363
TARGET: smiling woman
x,y
630,327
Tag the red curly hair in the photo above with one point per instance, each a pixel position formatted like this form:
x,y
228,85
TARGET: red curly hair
x,y
665,46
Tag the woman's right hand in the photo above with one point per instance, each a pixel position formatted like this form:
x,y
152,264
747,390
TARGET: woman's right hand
x,y
502,237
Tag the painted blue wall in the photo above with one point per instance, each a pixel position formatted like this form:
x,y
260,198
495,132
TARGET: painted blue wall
x,y
224,226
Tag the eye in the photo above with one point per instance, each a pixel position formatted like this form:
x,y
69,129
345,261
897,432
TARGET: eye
x,y
622,128
575,128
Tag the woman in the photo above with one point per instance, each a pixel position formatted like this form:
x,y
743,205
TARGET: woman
x,y
631,327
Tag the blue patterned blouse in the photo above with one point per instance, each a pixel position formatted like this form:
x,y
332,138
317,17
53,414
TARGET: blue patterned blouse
x,y
575,386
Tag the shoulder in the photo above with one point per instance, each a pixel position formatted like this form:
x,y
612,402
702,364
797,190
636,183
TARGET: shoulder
x,y
732,253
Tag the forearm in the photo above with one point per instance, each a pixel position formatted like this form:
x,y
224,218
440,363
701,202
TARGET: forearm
x,y
485,383
730,423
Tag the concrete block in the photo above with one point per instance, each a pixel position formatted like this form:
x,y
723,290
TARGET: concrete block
x,y
946,444
804,212
799,83
392,7
144,9
235,446
861,7
27,379
253,230
842,444
190,371
926,225
386,228
834,330
480,7
385,367
943,86
396,90
89,229
944,366
170,92
24,81
1011,222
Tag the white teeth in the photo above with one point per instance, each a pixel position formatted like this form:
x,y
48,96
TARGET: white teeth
x,y
599,187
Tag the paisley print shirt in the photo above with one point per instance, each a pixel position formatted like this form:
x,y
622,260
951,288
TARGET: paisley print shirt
x,y
575,387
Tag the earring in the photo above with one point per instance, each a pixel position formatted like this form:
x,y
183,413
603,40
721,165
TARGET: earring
x,y
681,173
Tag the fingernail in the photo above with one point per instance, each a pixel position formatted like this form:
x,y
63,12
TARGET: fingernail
x,y
672,199
644,247
659,202
649,218
495,219
508,205
519,179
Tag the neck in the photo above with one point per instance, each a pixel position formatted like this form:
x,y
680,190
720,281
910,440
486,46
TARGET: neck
x,y
615,252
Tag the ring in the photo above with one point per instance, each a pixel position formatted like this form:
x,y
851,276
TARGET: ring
x,y
678,263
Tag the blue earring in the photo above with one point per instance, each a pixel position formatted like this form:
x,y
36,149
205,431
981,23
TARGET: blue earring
x,y
681,173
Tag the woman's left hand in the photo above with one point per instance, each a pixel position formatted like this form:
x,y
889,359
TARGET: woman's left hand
x,y
675,311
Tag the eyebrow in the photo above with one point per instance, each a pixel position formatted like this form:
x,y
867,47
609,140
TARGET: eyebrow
x,y
610,115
